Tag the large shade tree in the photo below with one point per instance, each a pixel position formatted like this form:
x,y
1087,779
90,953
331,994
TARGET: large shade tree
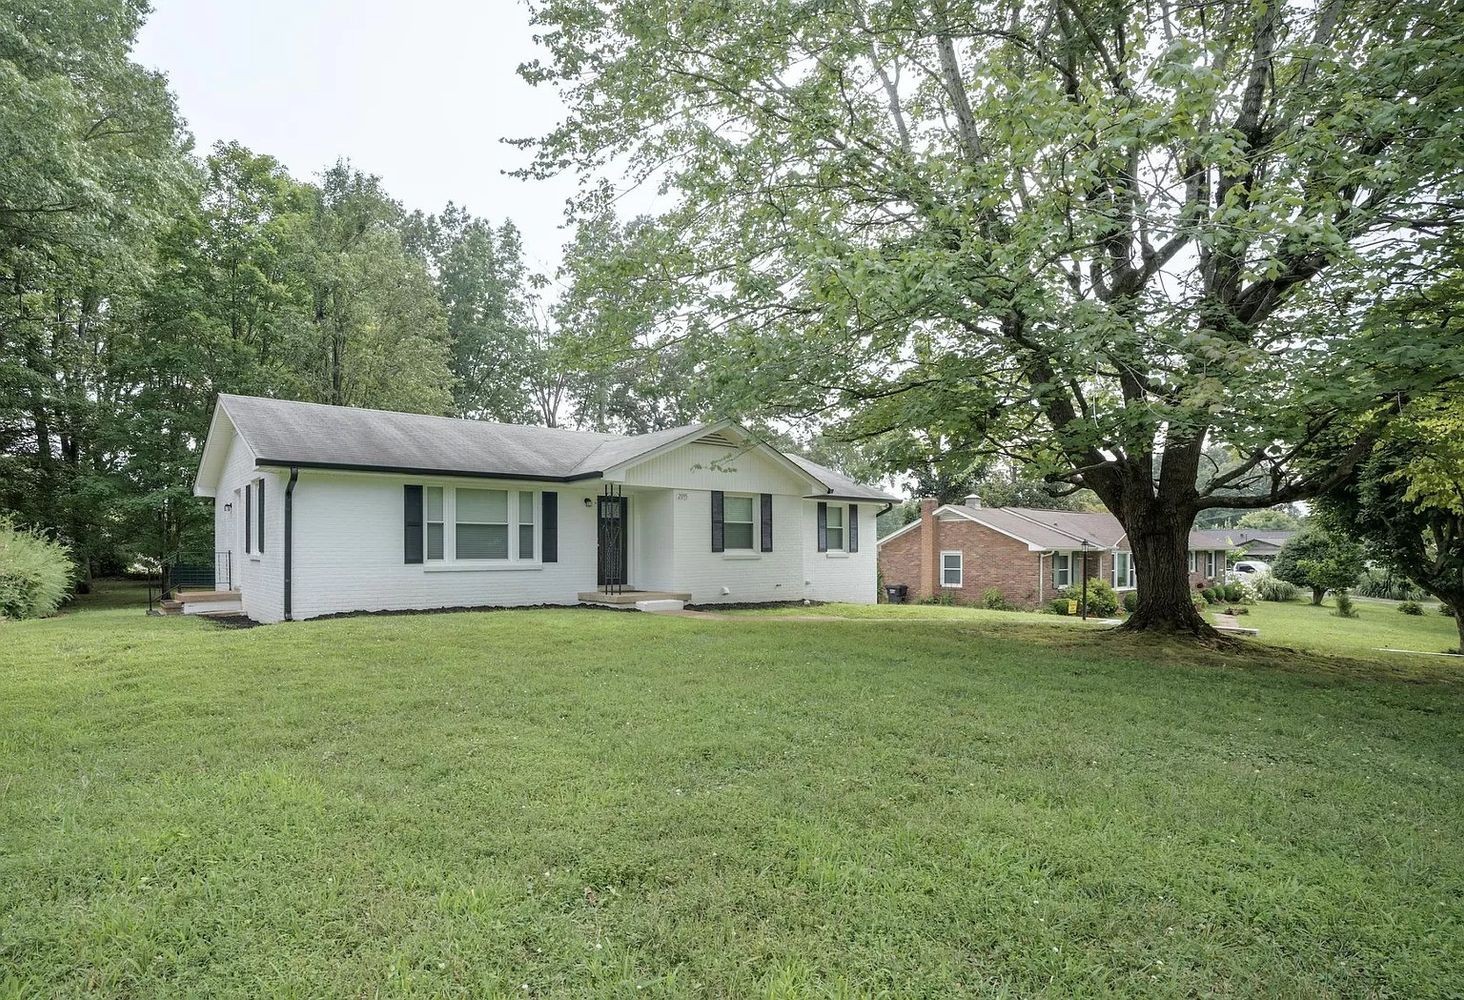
x,y
1111,237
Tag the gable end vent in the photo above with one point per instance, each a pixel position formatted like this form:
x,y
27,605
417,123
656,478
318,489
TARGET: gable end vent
x,y
717,438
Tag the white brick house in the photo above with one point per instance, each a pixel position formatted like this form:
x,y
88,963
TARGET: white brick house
x,y
324,509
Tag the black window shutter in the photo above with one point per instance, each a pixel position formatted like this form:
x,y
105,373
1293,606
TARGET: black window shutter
x,y
853,527
823,526
767,522
412,523
261,515
549,509
717,544
248,517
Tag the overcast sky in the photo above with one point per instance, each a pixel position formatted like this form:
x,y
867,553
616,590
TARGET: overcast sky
x,y
419,93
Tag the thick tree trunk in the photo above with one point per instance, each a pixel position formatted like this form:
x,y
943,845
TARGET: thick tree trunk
x,y
1317,594
1159,539
1459,622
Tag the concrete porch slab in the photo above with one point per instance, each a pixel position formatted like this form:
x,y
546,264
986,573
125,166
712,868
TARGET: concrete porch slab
x,y
629,597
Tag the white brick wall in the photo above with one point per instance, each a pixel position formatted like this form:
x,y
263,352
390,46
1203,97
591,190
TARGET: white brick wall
x,y
258,576
746,576
349,551
835,576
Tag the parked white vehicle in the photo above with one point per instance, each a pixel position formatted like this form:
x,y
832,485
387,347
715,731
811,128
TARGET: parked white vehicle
x,y
1248,571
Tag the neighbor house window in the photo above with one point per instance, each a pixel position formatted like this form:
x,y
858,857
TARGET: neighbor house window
x,y
1192,560
1210,565
432,509
1062,569
951,566
737,522
1123,569
526,525
482,524
836,527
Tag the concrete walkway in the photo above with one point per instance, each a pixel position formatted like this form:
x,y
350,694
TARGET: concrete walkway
x,y
1229,623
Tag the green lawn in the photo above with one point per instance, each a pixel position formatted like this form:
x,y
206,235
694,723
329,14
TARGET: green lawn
x,y
1378,624
582,803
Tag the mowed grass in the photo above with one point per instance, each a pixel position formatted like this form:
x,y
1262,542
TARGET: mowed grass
x,y
582,803
1378,625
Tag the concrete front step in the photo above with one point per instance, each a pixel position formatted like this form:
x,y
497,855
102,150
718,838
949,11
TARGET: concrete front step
x,y
660,606
628,598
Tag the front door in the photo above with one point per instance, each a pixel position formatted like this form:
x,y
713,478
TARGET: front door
x,y
612,523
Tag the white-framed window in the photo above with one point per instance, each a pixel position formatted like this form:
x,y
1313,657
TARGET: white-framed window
x,y
1192,560
525,525
1210,565
432,522
738,522
482,524
1062,569
952,569
836,527
1123,570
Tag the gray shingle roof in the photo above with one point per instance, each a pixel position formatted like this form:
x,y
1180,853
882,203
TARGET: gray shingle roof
x,y
840,486
288,432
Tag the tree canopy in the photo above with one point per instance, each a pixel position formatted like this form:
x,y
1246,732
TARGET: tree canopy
x,y
1100,239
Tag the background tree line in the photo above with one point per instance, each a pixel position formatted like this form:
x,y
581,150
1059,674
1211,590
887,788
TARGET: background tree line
x,y
138,280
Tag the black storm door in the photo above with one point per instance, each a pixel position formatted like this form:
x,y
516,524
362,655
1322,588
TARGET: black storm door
x,y
612,531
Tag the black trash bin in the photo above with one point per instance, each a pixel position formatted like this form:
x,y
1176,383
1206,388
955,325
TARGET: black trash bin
x,y
895,593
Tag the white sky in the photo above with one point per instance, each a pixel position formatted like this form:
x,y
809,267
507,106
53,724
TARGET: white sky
x,y
419,93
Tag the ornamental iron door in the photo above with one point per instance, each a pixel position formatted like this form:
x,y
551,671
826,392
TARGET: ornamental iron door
x,y
612,531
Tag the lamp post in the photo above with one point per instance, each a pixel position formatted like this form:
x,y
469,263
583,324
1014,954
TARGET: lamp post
x,y
1085,579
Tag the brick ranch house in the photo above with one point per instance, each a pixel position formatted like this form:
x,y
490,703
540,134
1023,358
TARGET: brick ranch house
x,y
1027,553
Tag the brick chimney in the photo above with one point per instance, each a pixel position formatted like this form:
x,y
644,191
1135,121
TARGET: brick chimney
x,y
929,548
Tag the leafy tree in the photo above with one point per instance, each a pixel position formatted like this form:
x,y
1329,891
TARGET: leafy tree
x,y
486,293
92,166
1406,503
1269,520
377,335
1321,560
1101,236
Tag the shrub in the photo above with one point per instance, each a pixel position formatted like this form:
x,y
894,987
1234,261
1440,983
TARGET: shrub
x,y
1234,593
1446,610
1380,583
1411,608
993,600
1344,605
35,573
1272,589
1212,595
1102,600
1058,606
944,598
1320,560
1131,602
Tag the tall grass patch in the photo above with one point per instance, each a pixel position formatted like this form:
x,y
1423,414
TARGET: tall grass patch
x,y
35,572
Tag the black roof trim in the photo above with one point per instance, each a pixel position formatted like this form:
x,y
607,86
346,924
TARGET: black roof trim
x,y
406,471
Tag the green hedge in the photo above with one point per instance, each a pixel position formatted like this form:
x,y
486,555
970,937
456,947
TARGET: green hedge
x,y
35,572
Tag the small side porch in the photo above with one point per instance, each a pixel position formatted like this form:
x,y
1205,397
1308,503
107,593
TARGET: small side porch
x,y
197,586
203,602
